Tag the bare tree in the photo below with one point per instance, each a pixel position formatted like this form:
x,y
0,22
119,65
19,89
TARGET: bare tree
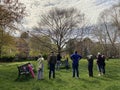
x,y
60,25
115,17
37,46
105,32
101,36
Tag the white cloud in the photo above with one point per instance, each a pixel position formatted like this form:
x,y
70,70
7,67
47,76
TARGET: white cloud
x,y
91,8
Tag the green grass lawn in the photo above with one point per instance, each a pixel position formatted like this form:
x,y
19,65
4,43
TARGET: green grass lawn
x,y
63,80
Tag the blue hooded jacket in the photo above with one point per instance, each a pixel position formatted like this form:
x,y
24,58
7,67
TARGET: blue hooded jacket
x,y
75,58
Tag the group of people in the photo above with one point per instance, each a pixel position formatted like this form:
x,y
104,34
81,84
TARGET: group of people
x,y
51,62
75,57
100,64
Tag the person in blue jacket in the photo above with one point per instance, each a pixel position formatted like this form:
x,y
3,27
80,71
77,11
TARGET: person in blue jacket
x,y
75,57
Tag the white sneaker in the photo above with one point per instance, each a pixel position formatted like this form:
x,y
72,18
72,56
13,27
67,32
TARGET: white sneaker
x,y
99,74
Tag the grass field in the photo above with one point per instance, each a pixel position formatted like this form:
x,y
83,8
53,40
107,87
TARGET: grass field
x,y
63,80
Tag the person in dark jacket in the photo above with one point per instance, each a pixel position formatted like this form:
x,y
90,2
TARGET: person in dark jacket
x,y
90,65
52,61
100,64
103,64
75,63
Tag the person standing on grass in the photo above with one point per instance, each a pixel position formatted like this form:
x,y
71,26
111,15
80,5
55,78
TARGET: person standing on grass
x,y
103,64
100,64
51,62
40,67
90,65
58,61
66,64
75,57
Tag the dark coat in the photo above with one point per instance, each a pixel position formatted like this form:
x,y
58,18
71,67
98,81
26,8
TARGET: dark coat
x,y
52,59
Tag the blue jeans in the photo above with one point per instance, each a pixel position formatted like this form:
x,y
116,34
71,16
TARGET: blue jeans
x,y
58,65
40,73
75,70
100,68
52,70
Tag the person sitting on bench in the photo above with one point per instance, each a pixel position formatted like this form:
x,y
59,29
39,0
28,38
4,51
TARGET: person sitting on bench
x,y
31,70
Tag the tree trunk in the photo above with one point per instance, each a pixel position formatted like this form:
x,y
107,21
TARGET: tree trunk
x,y
59,49
1,41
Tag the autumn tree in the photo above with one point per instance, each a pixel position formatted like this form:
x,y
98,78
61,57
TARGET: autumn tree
x,y
60,25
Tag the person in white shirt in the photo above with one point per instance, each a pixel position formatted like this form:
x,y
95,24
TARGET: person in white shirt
x,y
40,67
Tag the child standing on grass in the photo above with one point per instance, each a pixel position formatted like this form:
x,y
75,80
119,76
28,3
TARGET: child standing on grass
x,y
40,67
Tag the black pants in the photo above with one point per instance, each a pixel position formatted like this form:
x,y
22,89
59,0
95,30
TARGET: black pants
x,y
101,68
90,70
75,70
52,70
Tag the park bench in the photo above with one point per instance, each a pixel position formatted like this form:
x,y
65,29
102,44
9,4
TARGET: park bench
x,y
24,70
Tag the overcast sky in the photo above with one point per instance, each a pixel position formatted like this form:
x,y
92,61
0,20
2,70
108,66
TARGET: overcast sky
x,y
91,8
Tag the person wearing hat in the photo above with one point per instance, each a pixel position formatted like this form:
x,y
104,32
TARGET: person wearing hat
x,y
99,63
40,67
90,65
